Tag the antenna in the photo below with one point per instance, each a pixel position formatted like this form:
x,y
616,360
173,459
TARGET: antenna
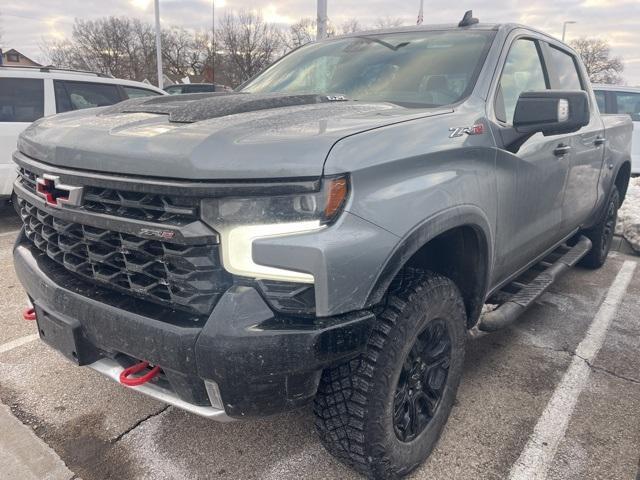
x,y
468,19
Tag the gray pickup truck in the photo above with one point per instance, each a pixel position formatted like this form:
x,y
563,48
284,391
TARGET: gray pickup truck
x,y
328,233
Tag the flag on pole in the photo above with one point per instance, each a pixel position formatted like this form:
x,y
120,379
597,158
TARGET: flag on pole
x,y
421,13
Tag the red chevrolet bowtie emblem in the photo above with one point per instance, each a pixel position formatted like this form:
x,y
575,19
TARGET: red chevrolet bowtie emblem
x,y
55,193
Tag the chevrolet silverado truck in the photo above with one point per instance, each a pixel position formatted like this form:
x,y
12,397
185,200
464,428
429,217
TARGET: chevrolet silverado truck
x,y
328,233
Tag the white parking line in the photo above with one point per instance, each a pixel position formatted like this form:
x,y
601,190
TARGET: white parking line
x,y
18,342
536,458
12,232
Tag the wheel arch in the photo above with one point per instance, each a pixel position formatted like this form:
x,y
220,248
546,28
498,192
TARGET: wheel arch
x,y
621,180
457,243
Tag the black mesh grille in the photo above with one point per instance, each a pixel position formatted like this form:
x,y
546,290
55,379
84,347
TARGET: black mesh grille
x,y
27,179
150,207
179,276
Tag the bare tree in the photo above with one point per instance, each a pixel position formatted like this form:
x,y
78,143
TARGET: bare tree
x,y
388,22
122,47
249,45
179,52
596,56
351,25
301,33
63,54
304,31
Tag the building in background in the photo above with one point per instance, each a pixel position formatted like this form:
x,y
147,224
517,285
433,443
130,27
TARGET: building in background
x,y
13,58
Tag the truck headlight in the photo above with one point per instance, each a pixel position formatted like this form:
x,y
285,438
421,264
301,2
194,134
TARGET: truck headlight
x,y
240,221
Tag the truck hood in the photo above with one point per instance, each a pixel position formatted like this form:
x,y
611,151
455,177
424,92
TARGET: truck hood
x,y
209,137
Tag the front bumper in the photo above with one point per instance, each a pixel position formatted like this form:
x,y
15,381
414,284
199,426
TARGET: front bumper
x,y
261,363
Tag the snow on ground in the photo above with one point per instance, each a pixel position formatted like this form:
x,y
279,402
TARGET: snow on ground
x,y
629,215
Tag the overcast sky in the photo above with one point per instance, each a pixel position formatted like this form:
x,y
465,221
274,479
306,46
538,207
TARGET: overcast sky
x,y
26,23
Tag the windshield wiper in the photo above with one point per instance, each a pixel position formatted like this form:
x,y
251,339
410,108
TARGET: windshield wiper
x,y
388,45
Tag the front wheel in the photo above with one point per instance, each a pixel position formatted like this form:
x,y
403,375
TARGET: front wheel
x,y
382,413
601,234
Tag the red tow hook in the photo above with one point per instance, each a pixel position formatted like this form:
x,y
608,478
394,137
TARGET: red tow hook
x,y
29,313
137,368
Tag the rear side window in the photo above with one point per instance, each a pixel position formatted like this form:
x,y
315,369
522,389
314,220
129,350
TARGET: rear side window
x,y
197,88
627,102
565,67
135,92
601,99
79,95
174,90
21,99
522,72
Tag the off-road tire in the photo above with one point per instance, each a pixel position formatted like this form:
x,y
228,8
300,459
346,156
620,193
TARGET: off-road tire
x,y
601,234
355,400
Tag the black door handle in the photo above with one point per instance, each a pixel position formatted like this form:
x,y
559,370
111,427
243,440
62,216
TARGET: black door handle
x,y
561,150
599,141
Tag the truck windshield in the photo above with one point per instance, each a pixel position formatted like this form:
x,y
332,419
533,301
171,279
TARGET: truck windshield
x,y
424,68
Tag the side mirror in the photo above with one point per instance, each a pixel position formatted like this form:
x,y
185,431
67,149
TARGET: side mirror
x,y
551,112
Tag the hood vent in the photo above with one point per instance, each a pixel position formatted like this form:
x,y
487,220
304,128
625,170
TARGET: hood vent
x,y
204,106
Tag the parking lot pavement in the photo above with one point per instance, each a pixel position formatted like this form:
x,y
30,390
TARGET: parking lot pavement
x,y
102,430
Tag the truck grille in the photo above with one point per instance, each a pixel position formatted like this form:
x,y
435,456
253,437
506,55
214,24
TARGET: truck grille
x,y
150,207
188,277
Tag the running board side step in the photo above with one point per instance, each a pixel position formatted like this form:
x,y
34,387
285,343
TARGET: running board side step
x,y
517,303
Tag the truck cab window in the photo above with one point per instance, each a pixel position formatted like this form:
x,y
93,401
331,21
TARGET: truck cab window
x,y
628,103
522,72
565,68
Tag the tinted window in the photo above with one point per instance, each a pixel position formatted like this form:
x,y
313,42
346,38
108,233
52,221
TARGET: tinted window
x,y
421,68
21,99
628,103
195,88
602,101
522,72
174,89
135,92
565,68
79,95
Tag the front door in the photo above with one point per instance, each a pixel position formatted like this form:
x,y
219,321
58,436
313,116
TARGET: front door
x,y
530,182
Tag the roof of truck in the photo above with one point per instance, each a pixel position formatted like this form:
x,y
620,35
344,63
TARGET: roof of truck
x,y
445,27
615,88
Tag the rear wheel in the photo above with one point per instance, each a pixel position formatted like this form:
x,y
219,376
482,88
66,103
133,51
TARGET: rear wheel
x,y
601,235
382,413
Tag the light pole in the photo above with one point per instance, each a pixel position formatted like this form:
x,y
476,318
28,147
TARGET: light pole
x,y
156,5
564,28
213,42
322,20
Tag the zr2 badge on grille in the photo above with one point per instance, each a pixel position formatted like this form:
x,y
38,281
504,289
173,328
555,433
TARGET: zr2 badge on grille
x,y
162,234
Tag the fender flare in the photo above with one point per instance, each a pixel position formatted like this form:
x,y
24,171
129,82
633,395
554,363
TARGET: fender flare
x,y
430,228
602,202
615,176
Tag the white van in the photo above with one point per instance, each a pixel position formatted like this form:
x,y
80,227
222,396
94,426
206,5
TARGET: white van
x,y
28,93
618,99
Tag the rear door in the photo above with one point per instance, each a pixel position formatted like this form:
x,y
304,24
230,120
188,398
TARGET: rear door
x,y
531,181
586,146
629,103
21,102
